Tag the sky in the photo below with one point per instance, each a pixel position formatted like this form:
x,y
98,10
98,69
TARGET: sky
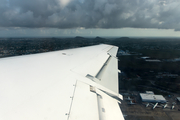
x,y
89,18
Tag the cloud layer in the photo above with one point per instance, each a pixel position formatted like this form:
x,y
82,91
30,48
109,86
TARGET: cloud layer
x,y
90,14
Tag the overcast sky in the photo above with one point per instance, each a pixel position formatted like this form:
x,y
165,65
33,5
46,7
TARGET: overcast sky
x,y
89,18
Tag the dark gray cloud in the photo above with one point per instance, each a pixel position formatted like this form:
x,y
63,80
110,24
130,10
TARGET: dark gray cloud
x,y
161,14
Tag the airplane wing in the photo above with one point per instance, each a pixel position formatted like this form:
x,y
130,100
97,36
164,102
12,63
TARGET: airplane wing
x,y
73,84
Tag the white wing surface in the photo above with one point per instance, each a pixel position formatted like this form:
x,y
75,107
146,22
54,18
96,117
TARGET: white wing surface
x,y
74,84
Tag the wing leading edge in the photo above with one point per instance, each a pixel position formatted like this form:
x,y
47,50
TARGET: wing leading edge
x,y
74,84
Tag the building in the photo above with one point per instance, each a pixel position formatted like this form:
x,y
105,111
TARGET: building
x,y
151,60
178,99
152,98
150,92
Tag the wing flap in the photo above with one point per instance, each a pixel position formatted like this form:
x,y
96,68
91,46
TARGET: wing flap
x,y
108,76
102,69
108,107
90,103
84,104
